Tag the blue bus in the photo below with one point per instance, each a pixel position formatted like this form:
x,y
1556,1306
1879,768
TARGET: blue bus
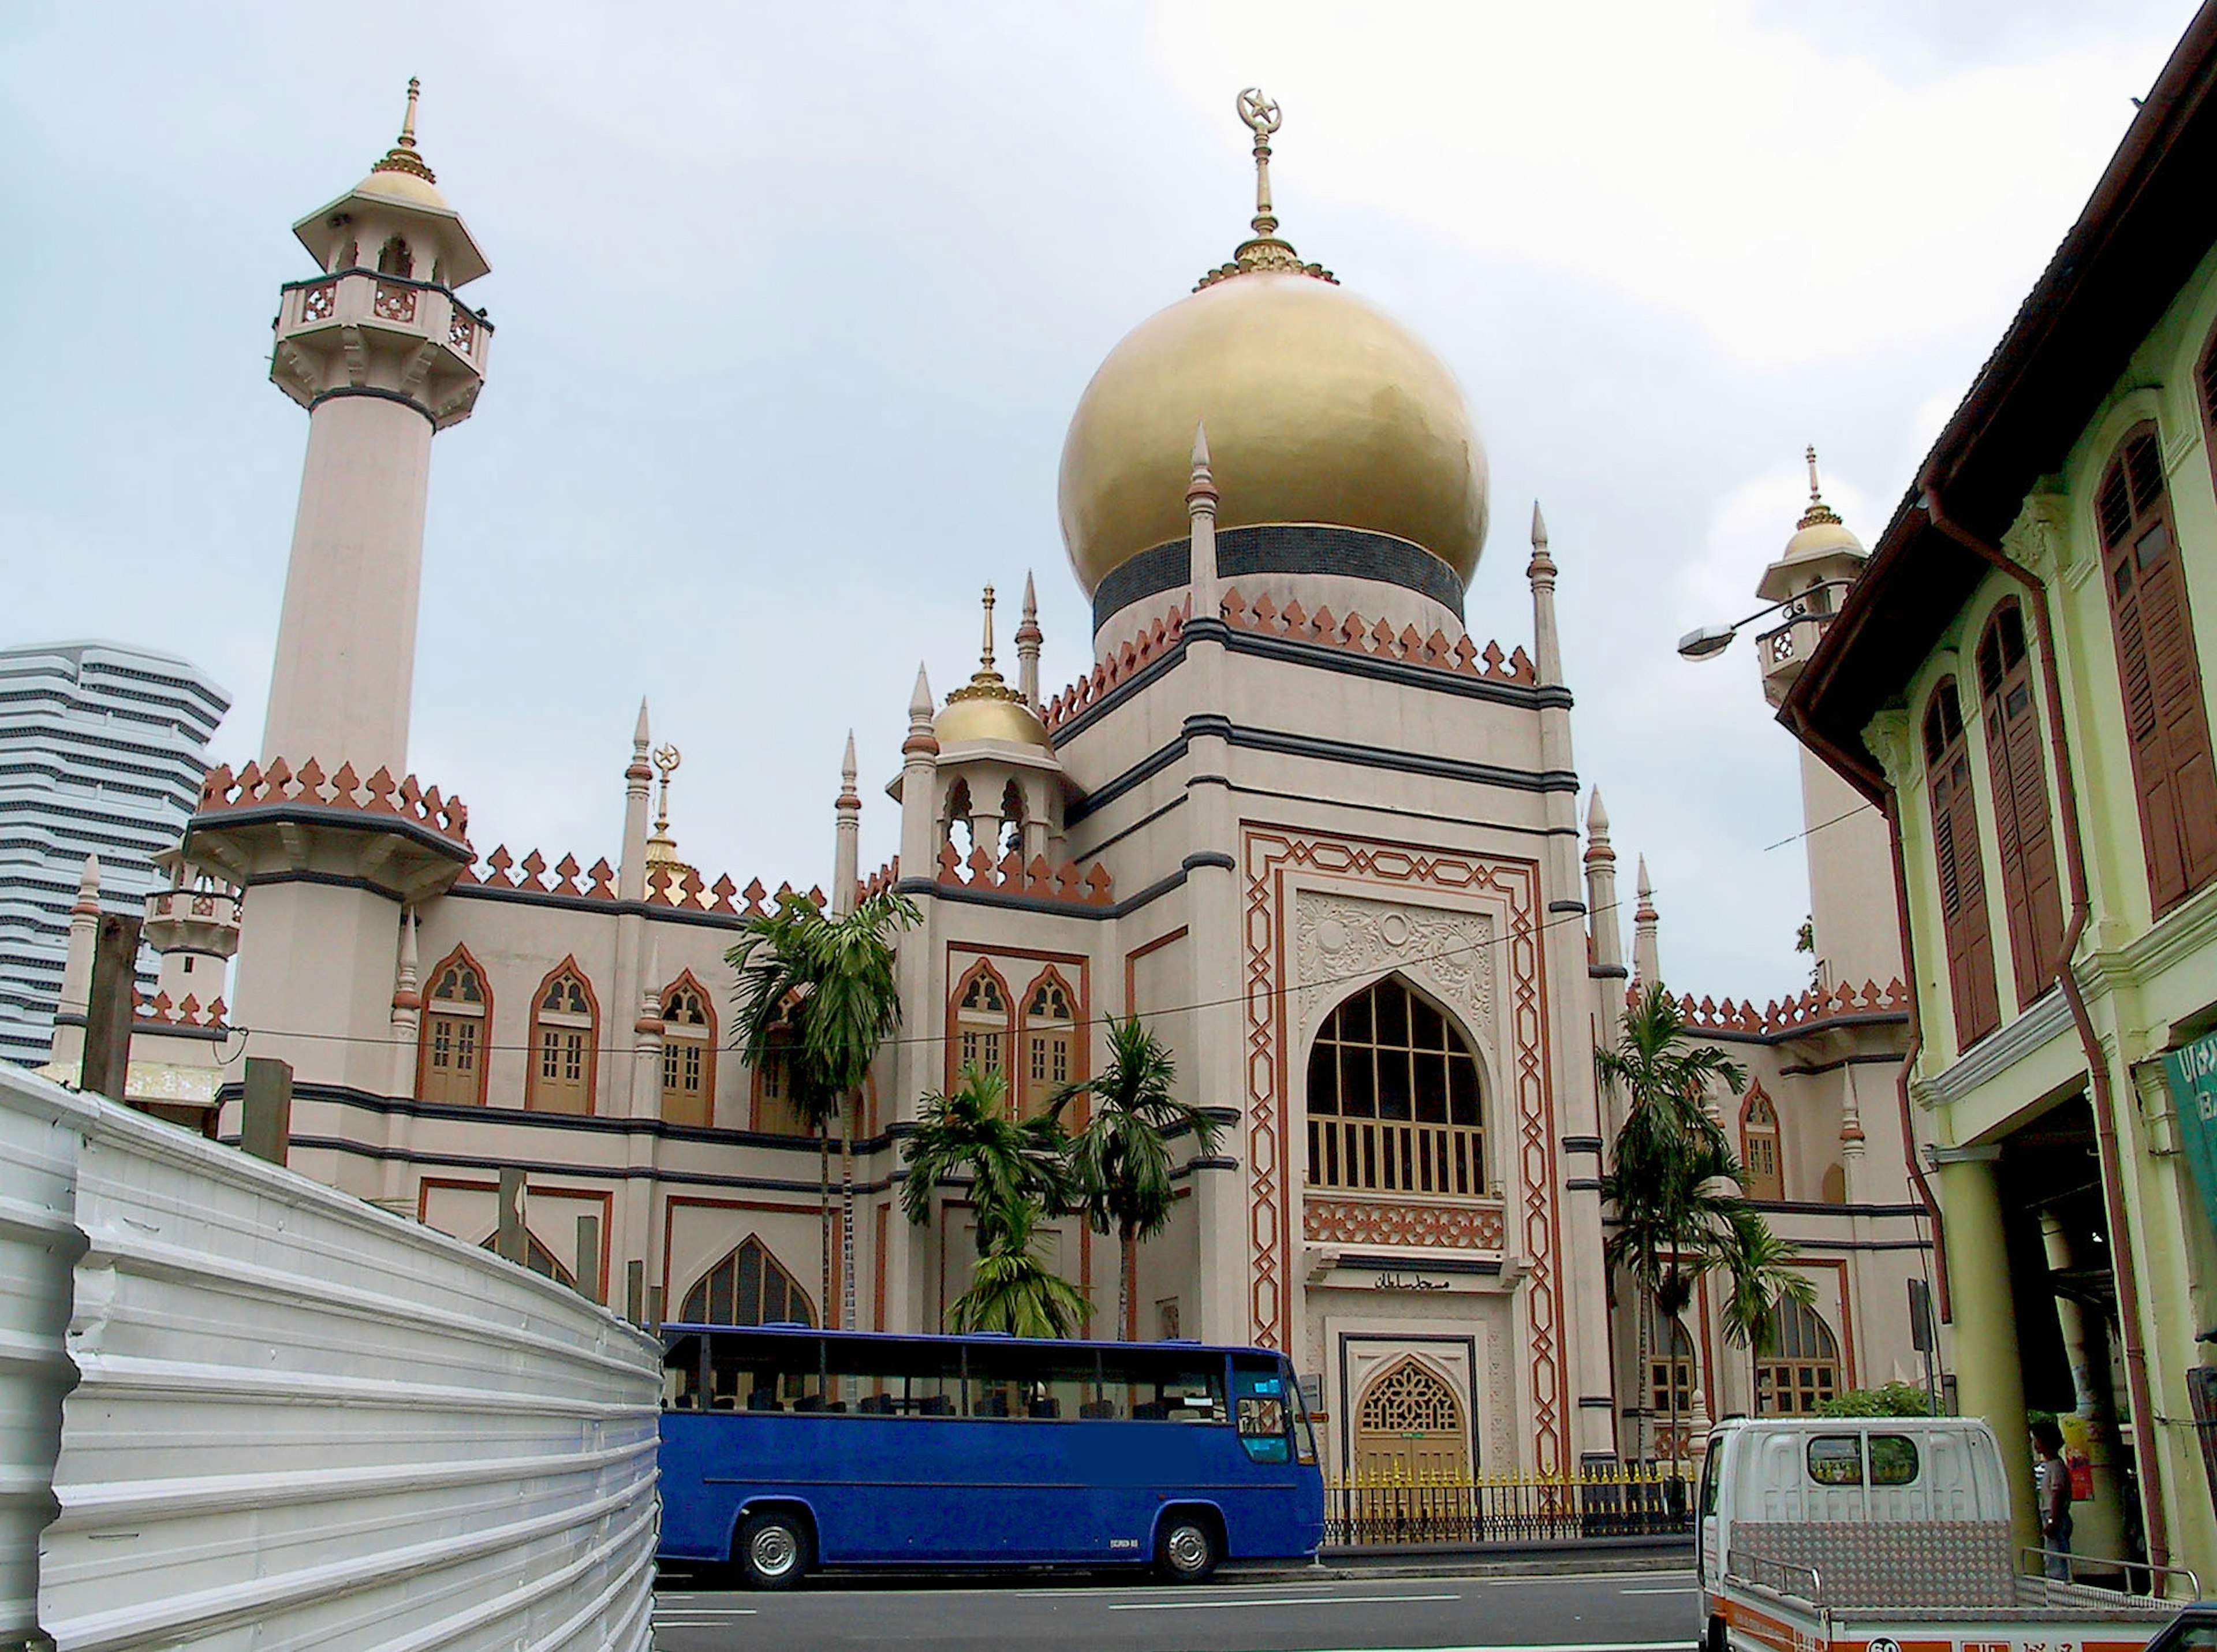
x,y
785,1449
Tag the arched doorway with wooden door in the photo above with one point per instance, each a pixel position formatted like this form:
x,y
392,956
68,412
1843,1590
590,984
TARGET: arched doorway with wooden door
x,y
1412,1457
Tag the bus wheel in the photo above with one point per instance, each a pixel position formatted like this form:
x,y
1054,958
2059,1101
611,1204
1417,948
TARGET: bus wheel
x,y
773,1550
1186,1552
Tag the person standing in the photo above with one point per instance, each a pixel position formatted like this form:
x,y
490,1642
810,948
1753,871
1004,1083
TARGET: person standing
x,y
2051,1481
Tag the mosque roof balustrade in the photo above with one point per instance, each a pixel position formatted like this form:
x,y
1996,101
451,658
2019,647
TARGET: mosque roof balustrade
x,y
1013,877
1351,633
1815,1011
408,836
330,328
189,1013
669,884
886,877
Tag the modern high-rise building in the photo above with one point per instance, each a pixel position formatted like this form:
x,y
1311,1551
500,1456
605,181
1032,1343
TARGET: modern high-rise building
x,y
102,748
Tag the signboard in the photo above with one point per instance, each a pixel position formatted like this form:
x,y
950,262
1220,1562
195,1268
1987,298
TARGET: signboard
x,y
2192,1073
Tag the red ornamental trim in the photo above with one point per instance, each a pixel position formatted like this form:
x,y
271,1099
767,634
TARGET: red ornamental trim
x,y
1378,1221
1268,855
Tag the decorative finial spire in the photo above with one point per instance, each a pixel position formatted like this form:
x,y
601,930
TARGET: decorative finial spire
x,y
402,157
1202,487
986,653
662,848
1264,250
921,702
847,771
639,738
1818,511
1029,638
1539,527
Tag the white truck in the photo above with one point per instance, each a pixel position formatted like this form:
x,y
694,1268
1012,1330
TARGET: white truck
x,y
1891,1534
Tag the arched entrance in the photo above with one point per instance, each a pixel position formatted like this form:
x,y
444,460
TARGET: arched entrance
x,y
1409,1426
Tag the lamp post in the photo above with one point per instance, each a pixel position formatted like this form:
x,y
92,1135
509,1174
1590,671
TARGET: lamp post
x,y
1707,641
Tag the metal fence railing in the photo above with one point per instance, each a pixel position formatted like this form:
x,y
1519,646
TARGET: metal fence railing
x,y
1601,1500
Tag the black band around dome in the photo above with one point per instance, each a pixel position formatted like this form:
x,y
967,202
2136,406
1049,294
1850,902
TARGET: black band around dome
x,y
1282,548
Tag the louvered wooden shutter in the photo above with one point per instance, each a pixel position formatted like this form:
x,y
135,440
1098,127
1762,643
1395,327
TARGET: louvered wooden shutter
x,y
2030,893
2167,717
1961,869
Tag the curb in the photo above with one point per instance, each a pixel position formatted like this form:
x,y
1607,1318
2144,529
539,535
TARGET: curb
x,y
1468,1562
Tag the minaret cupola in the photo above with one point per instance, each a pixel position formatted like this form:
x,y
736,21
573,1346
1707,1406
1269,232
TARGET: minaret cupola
x,y
1810,577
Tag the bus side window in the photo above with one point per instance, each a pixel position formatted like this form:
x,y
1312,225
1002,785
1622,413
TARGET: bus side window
x,y
681,1376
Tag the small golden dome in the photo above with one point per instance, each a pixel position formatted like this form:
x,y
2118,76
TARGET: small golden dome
x,y
986,707
403,175
1004,716
1820,532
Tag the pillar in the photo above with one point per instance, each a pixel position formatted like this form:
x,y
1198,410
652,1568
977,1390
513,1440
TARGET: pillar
x,y
1989,1372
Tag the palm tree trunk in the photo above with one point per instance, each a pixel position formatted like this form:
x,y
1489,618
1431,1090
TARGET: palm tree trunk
x,y
1125,1249
846,1221
823,1204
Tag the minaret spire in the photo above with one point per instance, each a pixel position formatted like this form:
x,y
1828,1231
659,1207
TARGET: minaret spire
x,y
1818,511
846,861
1029,638
1201,497
1607,922
1263,249
1647,956
1547,644
402,156
986,653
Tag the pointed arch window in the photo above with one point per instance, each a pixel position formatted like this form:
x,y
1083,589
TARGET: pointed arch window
x,y
1671,1369
565,1043
537,1258
982,1022
1049,1033
2166,716
394,258
456,1035
747,1287
689,1053
1758,1147
1960,862
2030,893
1799,1368
1394,1100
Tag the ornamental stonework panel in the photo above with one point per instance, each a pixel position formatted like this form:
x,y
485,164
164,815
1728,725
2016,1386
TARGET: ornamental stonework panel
x,y
1342,941
1269,857
1379,1221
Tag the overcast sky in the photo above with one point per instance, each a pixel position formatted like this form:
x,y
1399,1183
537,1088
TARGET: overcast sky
x,y
793,304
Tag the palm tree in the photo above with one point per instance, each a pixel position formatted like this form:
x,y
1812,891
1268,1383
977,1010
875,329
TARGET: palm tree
x,y
1010,1166
1121,1158
1018,1174
1674,1180
816,998
1013,1291
1758,1265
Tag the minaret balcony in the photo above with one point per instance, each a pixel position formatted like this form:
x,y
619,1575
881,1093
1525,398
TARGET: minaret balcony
x,y
193,920
358,329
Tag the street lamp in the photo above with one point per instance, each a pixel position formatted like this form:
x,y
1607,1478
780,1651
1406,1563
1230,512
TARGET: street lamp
x,y
1707,641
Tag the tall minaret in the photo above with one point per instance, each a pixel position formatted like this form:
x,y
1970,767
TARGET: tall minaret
x,y
1857,938
1029,638
847,850
381,353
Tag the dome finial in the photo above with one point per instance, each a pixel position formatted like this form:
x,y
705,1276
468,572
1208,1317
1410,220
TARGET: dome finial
x,y
986,653
1818,511
1263,250
402,157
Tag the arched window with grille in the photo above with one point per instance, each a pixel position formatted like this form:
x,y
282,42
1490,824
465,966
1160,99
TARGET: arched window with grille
x,y
982,1022
1961,865
1393,1101
1758,1146
456,1035
689,1053
1049,1030
565,1043
1797,1367
747,1287
1670,1368
2031,894
2167,717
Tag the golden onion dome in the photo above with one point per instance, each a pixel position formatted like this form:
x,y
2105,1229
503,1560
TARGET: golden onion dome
x,y
1818,535
1320,408
985,709
403,175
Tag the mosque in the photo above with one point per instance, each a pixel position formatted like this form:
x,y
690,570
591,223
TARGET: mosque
x,y
1326,839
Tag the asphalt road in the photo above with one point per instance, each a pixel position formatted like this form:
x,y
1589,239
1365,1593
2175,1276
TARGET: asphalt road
x,y
1619,1612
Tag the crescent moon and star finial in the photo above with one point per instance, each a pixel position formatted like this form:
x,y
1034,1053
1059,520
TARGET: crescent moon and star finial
x,y
1262,117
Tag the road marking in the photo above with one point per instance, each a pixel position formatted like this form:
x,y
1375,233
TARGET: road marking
x,y
704,1614
1681,1589
1551,1579
1279,1601
1581,1646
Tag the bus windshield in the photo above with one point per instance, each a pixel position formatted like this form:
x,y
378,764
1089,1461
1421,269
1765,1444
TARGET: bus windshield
x,y
880,1449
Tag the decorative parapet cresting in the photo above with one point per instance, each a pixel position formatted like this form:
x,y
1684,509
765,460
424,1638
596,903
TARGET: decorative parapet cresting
x,y
1811,1010
258,787
671,884
1011,874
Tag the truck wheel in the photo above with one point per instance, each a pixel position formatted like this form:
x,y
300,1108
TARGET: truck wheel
x,y
1185,1551
773,1550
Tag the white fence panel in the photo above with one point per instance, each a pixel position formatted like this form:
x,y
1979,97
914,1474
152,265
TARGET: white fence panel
x,y
303,1422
